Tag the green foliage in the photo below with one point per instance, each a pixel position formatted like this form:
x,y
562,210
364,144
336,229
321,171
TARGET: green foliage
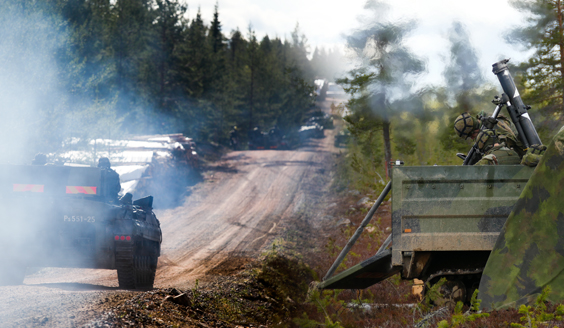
x,y
535,315
541,76
384,73
328,64
459,318
107,68
431,295
328,304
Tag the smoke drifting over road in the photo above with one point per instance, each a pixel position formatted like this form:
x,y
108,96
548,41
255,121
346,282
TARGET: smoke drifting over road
x,y
36,115
30,96
30,91
38,105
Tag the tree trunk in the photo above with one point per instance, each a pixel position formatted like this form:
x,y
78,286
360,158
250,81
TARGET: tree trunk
x,y
252,95
162,71
561,46
387,146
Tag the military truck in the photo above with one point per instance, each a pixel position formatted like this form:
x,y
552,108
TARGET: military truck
x,y
445,222
61,216
446,219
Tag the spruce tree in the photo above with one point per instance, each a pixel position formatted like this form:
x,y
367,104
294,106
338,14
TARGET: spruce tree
x,y
382,77
543,75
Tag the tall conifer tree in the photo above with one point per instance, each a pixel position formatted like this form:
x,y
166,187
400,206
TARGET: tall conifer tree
x,y
544,72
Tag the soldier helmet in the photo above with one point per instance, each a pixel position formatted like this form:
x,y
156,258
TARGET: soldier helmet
x,y
104,163
465,124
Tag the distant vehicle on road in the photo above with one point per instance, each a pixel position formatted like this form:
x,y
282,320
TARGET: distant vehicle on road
x,y
257,139
311,130
342,138
273,139
323,119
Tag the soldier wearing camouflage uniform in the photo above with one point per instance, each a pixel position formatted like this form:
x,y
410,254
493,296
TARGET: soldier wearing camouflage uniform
x,y
499,144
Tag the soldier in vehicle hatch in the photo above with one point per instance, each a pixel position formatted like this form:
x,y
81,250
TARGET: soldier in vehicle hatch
x,y
110,180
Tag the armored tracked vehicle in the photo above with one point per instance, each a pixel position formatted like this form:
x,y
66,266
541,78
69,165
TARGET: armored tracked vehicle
x,y
61,216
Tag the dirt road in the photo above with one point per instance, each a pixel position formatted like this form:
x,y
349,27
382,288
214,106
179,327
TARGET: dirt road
x,y
244,203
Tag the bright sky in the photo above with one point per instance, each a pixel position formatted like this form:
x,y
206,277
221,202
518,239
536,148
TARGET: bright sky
x,y
325,22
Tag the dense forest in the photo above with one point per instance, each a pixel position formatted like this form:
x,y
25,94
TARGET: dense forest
x,y
101,68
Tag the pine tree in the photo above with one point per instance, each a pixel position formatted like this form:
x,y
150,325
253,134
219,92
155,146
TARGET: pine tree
x,y
300,52
130,32
194,55
544,72
169,27
383,75
252,65
215,35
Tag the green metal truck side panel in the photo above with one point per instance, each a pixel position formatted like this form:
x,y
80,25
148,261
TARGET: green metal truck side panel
x,y
438,209
452,208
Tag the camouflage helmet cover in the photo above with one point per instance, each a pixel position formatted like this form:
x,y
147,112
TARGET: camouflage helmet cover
x,y
464,124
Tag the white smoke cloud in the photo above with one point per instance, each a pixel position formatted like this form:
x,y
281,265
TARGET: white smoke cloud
x,y
29,81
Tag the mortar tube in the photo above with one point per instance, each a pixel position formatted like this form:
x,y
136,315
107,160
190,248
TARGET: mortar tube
x,y
359,231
